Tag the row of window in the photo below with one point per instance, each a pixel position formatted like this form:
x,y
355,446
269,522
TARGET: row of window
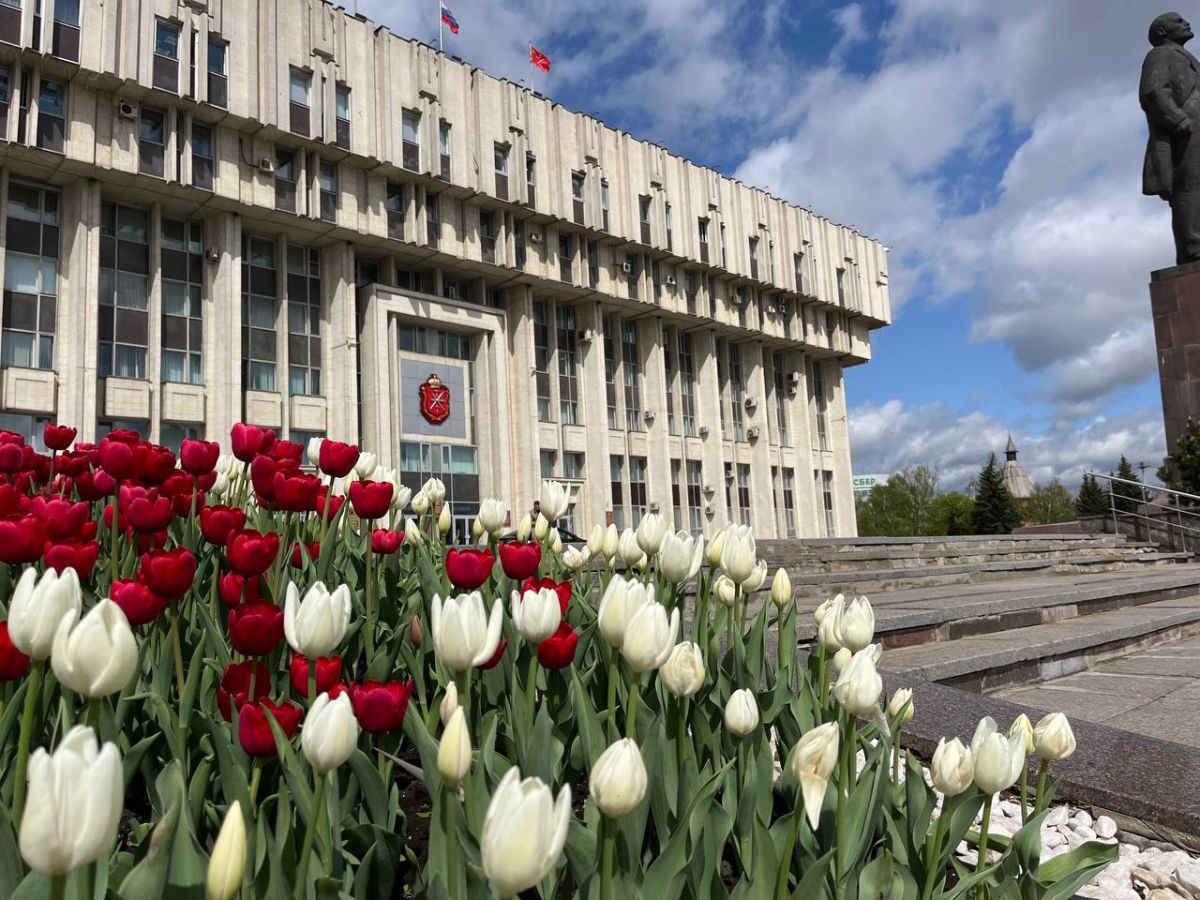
x,y
64,34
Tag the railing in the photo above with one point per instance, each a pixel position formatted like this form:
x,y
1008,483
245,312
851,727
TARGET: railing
x,y
1159,514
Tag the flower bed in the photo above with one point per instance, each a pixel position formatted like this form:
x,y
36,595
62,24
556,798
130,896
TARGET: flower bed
x,y
272,682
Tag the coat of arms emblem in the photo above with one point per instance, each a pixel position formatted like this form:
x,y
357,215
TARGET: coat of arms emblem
x,y
435,400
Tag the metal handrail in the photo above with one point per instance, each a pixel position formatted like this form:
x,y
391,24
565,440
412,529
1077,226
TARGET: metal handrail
x,y
1144,486
1179,509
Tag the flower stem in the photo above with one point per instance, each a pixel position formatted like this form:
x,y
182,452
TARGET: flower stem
x,y
608,845
449,815
614,675
58,887
312,682
934,858
177,650
1024,792
310,834
785,861
370,602
33,688
531,688
1042,800
114,532
981,862
635,696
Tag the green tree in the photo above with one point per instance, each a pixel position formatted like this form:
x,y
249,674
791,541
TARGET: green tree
x,y
1092,499
901,508
1127,495
1049,504
995,510
952,513
1183,471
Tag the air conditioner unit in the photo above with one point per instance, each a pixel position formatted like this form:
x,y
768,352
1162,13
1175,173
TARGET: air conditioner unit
x,y
654,506
708,510
627,266
266,164
586,335
703,431
794,378
751,403
671,280
648,415
213,254
709,489
535,237
781,307
127,110
752,432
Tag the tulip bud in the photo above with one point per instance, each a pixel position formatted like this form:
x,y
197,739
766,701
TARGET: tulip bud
x,y
679,556
415,634
402,495
627,548
420,503
464,635
725,591
756,579
541,528
715,545
554,541
444,520
840,660
574,558
227,866
553,500
536,614
313,449
650,533
811,763
435,490
330,733
826,606
366,465
781,590
856,626
738,553
492,513
1021,725
650,637
524,528
1053,737
477,530
523,832
412,533
454,750
622,598
618,779
37,607
612,542
595,541
97,655
449,703
998,759
858,686
741,712
900,707
951,767
683,672
315,625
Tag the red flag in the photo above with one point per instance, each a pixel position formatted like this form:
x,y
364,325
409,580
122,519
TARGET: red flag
x,y
539,59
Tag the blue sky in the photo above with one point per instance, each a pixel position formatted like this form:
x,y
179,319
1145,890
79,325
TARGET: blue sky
x,y
994,147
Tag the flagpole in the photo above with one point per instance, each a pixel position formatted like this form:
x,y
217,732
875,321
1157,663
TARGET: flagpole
x,y
530,64
441,25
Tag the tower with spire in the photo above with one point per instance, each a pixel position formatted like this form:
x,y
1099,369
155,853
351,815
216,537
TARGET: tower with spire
x,y
1015,478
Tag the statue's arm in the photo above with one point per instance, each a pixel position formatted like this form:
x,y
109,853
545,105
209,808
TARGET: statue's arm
x,y
1157,96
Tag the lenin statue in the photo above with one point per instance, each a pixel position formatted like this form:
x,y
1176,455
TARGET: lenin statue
x,y
1170,96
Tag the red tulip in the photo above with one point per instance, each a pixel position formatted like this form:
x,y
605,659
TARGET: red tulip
x,y
156,540
168,572
234,589
254,731
297,493
380,706
335,502
313,550
218,522
119,458
73,553
496,657
562,588
140,604
92,486
468,569
63,518
58,437
558,650
262,475
198,457
234,688
255,629
250,553
329,670
22,539
13,501
384,541
158,463
520,561
145,509
13,457
74,462
247,441
288,451
371,499
14,665
337,459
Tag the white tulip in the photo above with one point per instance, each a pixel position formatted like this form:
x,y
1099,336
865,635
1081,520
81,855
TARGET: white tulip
x,y
595,541
650,637
612,542
756,579
75,800
629,550
820,613
492,515
901,706
725,591
1053,737
554,542
227,866
741,712
679,556
444,520
221,486
225,463
840,660
738,553
524,528
858,686
952,768
367,463
315,625
998,758
541,527
523,832
434,490
420,502
1021,725
574,558
683,672
477,530
330,733
454,749
811,763
622,599
313,450
553,500
37,607
412,533
829,623
536,614
715,545
401,496
463,634
650,533
781,590
449,703
97,655
856,625
618,780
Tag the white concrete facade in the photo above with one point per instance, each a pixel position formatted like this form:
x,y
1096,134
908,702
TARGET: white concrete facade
x,y
257,210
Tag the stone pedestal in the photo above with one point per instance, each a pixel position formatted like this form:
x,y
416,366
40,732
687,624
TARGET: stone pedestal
x,y
1175,304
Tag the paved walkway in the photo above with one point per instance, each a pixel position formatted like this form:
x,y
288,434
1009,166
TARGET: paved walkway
x,y
1155,692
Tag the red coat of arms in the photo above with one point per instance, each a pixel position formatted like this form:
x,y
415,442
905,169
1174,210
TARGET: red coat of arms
x,y
435,400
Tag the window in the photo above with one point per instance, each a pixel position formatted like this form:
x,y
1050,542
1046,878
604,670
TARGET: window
x,y
610,371
541,360
781,405
52,116
637,488
687,385
691,285
616,471
632,363
737,390
173,434
30,278
530,180
724,254
743,493
29,427
577,182
327,177
5,98
518,231
341,114
593,263
841,287
124,291
668,347
722,355
299,92
202,156
444,150
304,321
644,217
500,156
182,266
152,144
702,226
218,72
166,56
546,462
754,257
695,502
656,279
604,204
632,274
826,488
487,235
10,21
66,29
789,501
410,139
667,222
572,465
259,292
568,362
433,224
676,492
285,180
820,404
395,205
565,258
139,426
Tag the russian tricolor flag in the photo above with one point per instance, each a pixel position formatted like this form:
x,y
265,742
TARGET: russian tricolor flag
x,y
448,18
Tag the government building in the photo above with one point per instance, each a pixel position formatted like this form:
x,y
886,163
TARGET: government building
x,y
277,212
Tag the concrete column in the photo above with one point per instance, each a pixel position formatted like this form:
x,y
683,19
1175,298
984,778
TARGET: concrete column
x,y
595,496
518,302
762,504
223,324
79,307
839,436
654,396
154,321
708,415
339,342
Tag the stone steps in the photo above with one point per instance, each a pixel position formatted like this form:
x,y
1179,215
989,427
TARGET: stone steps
x,y
816,560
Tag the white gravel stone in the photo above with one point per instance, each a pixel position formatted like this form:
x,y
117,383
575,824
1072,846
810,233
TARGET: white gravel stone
x,y
1105,827
1082,818
1188,876
1057,816
1052,839
1085,833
